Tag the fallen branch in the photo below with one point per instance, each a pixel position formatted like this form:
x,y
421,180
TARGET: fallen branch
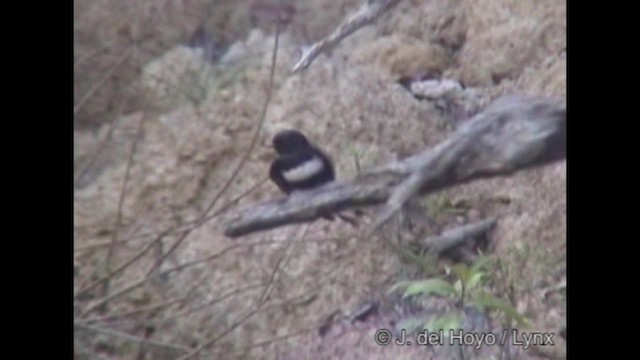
x,y
512,134
367,14
454,237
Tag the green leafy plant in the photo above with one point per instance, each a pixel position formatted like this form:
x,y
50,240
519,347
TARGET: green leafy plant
x,y
467,287
421,260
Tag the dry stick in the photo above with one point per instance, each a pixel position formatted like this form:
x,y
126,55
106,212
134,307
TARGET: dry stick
x,y
367,14
142,309
256,135
84,350
193,224
208,304
267,289
103,143
102,81
127,175
200,348
164,304
93,53
100,244
197,223
511,135
136,284
122,267
234,326
454,237
83,101
244,159
263,299
272,340
129,239
130,337
235,201
187,226
301,332
114,239
95,273
132,152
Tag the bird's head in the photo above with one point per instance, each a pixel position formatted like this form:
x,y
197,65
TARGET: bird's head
x,y
289,141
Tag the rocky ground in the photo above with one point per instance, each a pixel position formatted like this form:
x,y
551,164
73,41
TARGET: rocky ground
x,y
163,123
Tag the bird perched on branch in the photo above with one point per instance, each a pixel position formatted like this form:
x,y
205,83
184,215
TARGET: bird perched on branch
x,y
301,165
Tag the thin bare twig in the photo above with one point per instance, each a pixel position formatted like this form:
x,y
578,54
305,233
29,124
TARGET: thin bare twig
x,y
240,166
134,145
92,159
272,340
83,101
122,267
511,135
125,180
212,341
256,135
129,337
262,299
367,14
210,303
138,310
136,284
237,324
187,226
267,289
84,350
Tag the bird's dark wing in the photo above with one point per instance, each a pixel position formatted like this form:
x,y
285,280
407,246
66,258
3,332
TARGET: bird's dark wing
x,y
275,173
293,160
288,162
331,173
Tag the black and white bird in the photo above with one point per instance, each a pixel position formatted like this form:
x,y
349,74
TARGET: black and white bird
x,y
300,165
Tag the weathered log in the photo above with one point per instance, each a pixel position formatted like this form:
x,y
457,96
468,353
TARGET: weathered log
x,y
512,134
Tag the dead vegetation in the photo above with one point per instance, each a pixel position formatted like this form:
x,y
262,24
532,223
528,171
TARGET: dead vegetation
x,y
174,104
